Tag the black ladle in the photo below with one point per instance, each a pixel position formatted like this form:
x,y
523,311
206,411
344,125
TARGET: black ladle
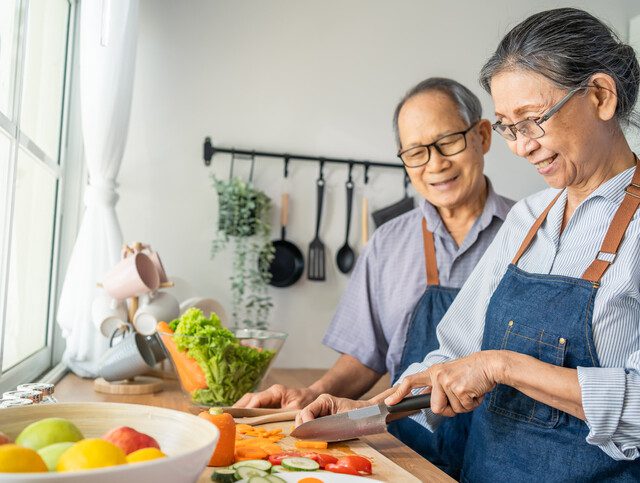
x,y
346,257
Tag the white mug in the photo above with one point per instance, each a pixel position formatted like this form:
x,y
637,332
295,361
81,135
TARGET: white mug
x,y
206,305
156,308
108,314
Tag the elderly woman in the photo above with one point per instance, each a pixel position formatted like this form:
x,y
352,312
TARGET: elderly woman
x,y
544,337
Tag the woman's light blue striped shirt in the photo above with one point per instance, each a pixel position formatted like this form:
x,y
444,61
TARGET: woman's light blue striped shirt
x,y
611,393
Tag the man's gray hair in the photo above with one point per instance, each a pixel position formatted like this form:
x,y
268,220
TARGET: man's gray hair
x,y
567,46
467,102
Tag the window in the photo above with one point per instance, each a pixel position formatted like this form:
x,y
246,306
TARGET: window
x,y
34,53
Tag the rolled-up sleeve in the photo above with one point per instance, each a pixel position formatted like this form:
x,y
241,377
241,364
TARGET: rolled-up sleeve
x,y
611,403
355,328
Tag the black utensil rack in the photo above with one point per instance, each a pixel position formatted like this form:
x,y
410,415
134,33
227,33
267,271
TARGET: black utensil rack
x,y
209,150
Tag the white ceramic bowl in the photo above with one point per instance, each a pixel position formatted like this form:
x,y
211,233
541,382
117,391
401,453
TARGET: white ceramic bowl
x,y
187,440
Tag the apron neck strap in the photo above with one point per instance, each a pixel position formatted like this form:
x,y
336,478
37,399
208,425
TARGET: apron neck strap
x,y
431,265
534,229
617,229
613,238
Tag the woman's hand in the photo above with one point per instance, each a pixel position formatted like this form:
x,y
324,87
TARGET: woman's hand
x,y
327,404
456,386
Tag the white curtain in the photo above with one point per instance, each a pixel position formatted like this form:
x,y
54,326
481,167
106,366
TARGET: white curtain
x,y
108,35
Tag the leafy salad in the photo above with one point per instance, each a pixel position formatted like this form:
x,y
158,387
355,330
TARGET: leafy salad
x,y
231,369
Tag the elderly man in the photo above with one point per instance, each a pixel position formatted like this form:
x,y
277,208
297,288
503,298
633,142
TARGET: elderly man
x,y
415,264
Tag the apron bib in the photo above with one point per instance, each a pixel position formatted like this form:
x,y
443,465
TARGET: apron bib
x,y
549,317
445,447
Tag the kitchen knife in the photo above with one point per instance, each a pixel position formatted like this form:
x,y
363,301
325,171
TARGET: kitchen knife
x,y
360,422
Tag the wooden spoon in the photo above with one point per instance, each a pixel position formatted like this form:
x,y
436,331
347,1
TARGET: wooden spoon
x,y
269,418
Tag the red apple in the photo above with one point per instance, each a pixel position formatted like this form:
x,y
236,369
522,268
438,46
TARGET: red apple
x,y
4,439
130,440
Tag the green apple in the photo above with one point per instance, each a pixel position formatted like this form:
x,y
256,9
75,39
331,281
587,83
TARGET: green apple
x,y
47,432
51,454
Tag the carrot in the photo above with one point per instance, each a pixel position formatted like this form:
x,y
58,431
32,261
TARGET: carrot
x,y
190,373
224,454
312,444
271,449
250,454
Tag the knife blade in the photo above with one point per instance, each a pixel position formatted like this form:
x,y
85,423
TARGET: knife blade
x,y
360,422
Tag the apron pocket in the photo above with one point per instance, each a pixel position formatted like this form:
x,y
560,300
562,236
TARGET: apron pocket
x,y
510,402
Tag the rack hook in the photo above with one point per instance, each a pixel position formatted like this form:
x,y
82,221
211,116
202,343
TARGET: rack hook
x,y
406,184
350,169
233,160
322,168
366,173
253,162
286,165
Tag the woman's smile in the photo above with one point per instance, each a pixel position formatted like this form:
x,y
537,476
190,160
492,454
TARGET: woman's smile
x,y
546,166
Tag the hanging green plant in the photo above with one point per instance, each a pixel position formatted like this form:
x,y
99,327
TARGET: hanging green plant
x,y
243,214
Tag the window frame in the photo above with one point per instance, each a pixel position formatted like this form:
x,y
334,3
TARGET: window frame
x,y
67,200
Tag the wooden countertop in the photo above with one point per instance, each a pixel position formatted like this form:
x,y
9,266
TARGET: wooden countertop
x,y
73,389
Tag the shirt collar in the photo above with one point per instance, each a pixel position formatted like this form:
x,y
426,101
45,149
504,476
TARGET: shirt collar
x,y
494,206
613,189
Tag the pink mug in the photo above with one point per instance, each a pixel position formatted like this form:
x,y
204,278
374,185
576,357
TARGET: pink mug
x,y
155,258
133,276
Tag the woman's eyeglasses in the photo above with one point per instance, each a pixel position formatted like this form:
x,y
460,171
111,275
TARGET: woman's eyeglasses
x,y
530,128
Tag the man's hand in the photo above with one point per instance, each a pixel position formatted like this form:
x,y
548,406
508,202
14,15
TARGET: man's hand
x,y
326,405
277,396
456,386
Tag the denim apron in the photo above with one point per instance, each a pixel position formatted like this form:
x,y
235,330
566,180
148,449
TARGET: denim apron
x,y
514,437
445,447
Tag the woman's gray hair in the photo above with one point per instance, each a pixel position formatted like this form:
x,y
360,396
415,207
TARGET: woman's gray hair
x,y
467,102
568,46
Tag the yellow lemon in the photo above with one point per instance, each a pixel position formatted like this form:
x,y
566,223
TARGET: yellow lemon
x,y
145,454
91,453
17,459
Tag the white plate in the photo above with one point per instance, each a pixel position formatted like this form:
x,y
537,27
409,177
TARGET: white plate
x,y
324,476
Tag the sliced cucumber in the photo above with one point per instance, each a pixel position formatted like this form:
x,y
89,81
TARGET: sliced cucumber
x,y
300,464
259,479
275,479
249,472
224,475
263,465
278,469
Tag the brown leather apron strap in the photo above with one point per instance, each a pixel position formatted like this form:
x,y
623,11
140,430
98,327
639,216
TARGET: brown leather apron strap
x,y
431,265
534,229
617,229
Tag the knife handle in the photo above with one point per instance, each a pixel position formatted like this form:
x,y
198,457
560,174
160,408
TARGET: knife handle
x,y
411,403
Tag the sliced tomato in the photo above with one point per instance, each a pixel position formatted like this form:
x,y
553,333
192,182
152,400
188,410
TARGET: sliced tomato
x,y
346,470
276,459
310,455
359,463
325,459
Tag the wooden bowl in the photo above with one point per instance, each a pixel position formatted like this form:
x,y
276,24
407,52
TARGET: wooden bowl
x,y
187,440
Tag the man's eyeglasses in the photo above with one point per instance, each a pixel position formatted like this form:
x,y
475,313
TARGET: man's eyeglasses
x,y
447,146
530,128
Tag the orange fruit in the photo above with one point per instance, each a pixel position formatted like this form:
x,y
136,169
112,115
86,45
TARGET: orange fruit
x,y
91,453
18,459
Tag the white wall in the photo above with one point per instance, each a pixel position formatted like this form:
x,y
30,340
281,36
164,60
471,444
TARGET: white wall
x,y
310,77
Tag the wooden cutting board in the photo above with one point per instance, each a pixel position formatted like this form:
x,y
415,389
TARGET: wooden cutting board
x,y
383,468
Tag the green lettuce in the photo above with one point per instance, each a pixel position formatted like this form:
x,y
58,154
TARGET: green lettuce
x,y
231,369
